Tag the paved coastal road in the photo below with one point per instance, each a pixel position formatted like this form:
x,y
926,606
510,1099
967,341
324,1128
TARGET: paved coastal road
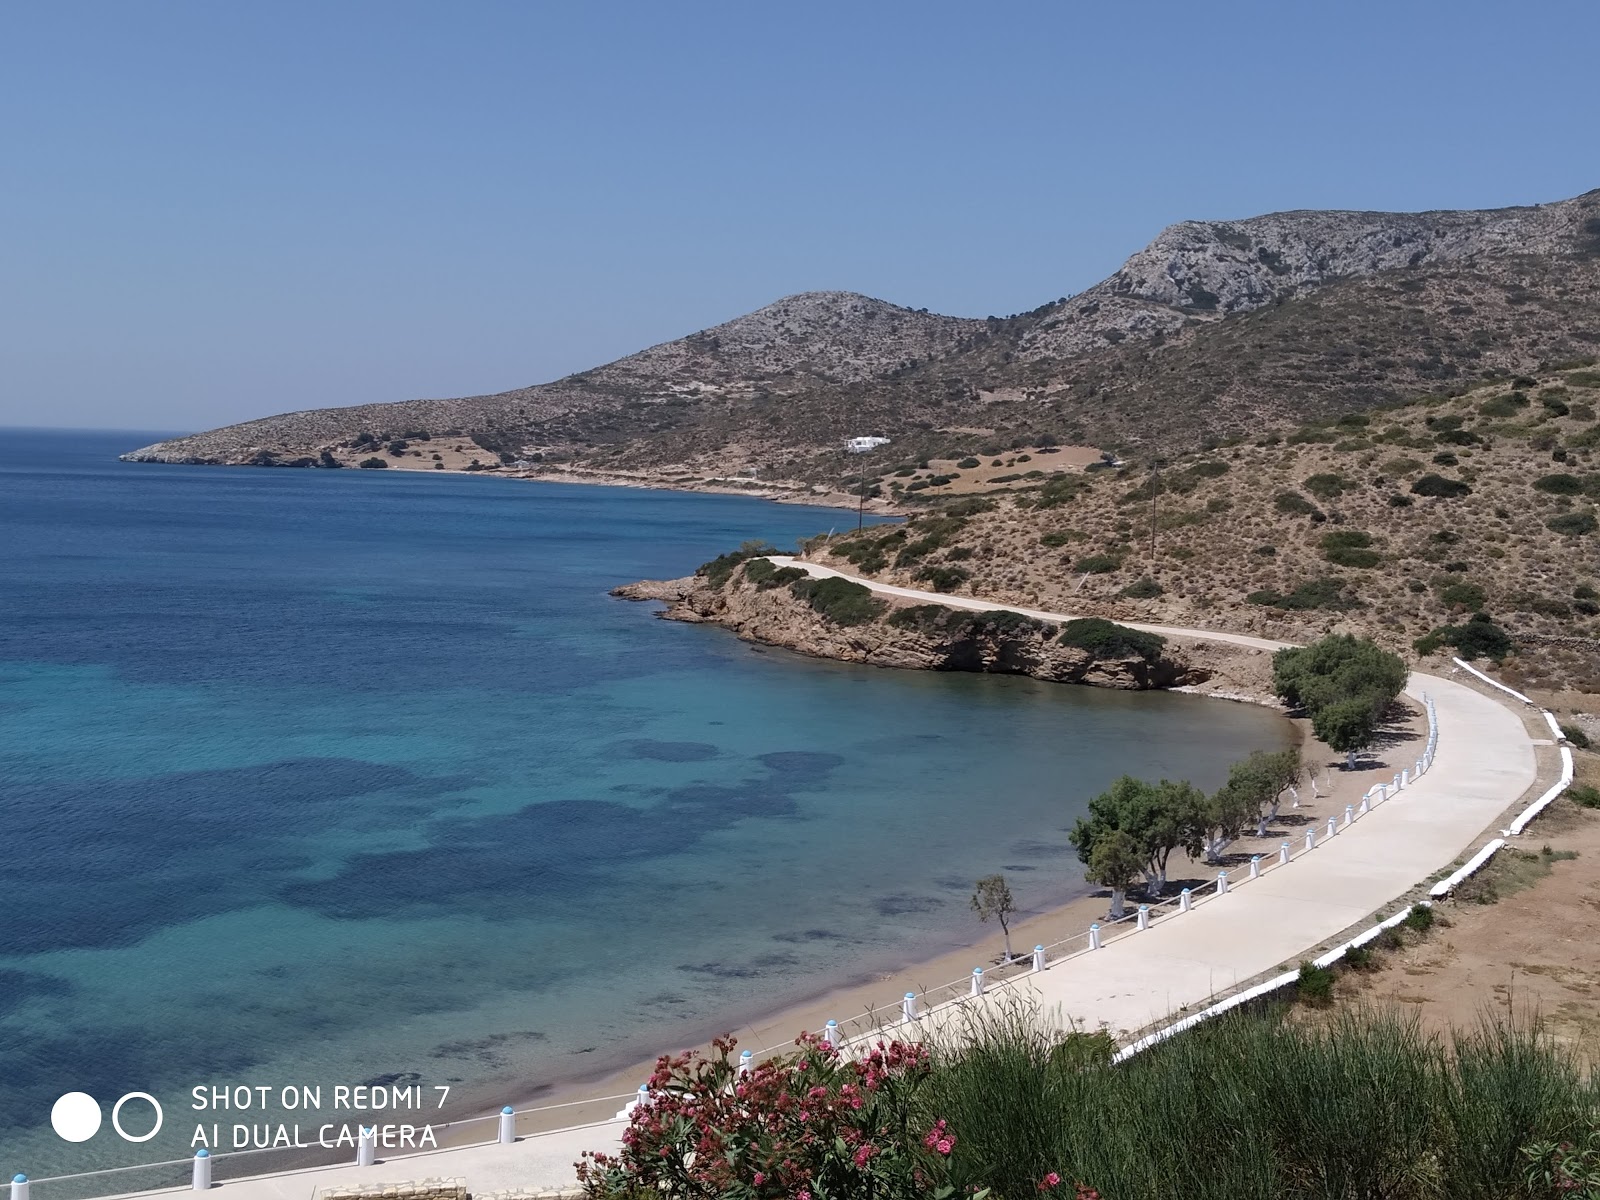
x,y
1484,764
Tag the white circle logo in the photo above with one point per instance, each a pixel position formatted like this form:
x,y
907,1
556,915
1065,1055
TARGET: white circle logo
x,y
75,1117
116,1112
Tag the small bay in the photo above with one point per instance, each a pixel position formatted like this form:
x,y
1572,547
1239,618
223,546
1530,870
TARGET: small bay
x,y
329,776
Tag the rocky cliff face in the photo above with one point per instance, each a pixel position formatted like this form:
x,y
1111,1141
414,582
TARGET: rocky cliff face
x,y
1212,329
948,640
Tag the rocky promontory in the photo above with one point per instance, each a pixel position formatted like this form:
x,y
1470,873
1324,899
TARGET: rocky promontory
x,y
835,618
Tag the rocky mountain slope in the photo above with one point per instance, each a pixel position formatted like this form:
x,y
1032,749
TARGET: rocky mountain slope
x,y
1212,330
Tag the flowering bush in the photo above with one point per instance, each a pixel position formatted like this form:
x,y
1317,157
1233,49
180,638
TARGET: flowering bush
x,y
811,1125
1564,1169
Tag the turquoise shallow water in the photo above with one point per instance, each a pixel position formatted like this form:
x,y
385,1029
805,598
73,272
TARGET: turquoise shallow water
x,y
314,776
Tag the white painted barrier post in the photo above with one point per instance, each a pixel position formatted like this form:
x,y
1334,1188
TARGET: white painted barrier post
x,y
1144,916
977,981
1333,825
19,1187
830,1033
1222,882
1255,866
1283,853
367,1147
508,1125
1185,900
202,1171
1311,837
1094,936
1038,958
1349,813
1366,805
1395,786
746,1061
908,1006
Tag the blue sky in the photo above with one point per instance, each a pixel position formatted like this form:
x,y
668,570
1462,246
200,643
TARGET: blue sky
x,y
218,211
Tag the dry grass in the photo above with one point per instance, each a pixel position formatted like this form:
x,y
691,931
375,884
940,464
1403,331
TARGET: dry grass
x,y
1222,534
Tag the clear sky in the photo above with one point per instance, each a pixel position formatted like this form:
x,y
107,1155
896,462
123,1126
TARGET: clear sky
x,y
213,211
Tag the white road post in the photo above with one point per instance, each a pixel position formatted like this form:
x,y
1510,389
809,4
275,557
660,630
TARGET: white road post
x,y
1255,866
908,1006
367,1147
1333,825
1349,814
19,1187
508,1125
830,1033
746,1061
1144,916
1185,900
1038,958
1283,853
977,981
202,1171
1311,837
1222,882
1094,936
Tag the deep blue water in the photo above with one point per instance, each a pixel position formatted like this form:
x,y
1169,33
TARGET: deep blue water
x,y
329,775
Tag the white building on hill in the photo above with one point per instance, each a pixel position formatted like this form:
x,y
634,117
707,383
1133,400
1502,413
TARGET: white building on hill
x,y
860,445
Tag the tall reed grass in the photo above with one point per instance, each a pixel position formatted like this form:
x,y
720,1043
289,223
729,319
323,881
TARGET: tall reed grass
x,y
1363,1106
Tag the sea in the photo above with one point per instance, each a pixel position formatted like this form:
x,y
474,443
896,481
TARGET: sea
x,y
318,777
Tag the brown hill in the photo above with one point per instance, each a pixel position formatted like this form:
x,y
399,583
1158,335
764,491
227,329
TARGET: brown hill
x,y
1211,330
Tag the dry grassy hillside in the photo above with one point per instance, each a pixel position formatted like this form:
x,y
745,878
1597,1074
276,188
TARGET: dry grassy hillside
x,y
1393,522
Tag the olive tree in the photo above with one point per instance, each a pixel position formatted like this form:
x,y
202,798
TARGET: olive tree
x,y
992,901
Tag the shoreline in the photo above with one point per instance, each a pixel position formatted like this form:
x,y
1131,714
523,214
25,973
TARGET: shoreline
x,y
774,1030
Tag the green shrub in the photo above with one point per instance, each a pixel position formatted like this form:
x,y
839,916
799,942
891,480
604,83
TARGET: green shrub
x,y
1554,401
1586,379
1143,588
966,464
1327,486
766,574
1097,564
1059,537
1266,551
841,601
1446,459
1588,439
720,569
944,579
1360,958
1314,594
1559,485
1350,548
1584,795
1576,736
1315,985
925,617
1438,485
1419,919
1061,489
1295,504
1107,639
1457,437
1573,524
1400,466
1209,469
372,464
1504,406
1478,638
1463,595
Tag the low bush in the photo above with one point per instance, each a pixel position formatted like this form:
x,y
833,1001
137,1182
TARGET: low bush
x,y
1314,594
944,579
1560,484
1438,485
1295,504
1463,595
1504,406
1097,564
1327,486
1107,639
1315,985
766,574
925,617
720,569
1478,638
966,464
1143,588
1584,795
1059,537
1350,548
1420,919
372,464
840,601
1573,524
1576,736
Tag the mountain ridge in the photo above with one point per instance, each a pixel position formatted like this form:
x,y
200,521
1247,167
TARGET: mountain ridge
x,y
777,390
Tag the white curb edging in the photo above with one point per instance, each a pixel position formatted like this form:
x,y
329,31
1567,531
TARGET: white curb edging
x,y
1539,805
1447,885
1495,683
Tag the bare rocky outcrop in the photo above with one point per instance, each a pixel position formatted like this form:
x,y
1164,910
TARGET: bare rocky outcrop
x,y
948,639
